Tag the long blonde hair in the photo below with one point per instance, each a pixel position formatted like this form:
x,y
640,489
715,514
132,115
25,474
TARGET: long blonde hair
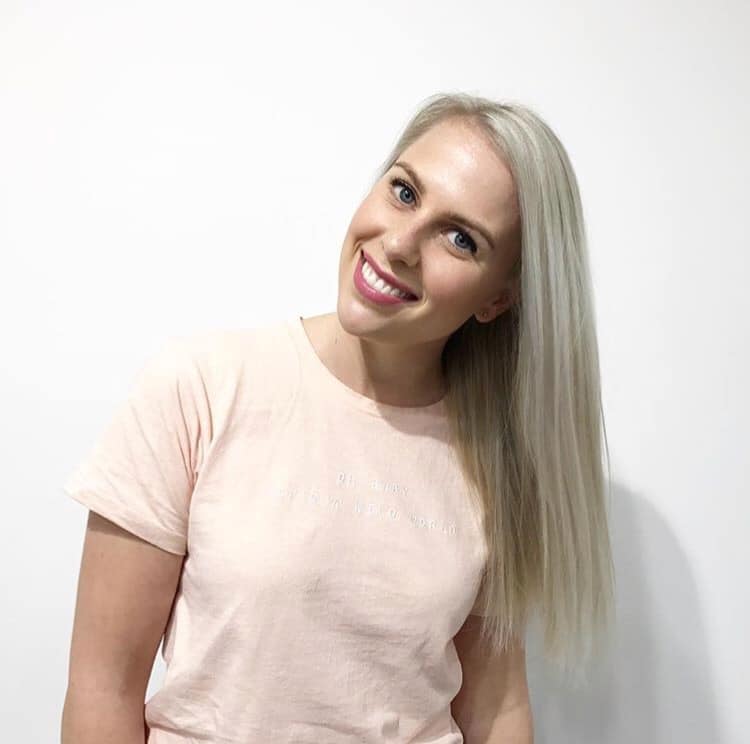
x,y
524,403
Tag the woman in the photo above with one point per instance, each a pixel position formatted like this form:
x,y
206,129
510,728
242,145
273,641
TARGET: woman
x,y
341,525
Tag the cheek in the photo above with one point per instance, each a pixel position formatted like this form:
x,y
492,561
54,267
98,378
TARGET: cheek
x,y
362,213
356,232
444,287
452,284
365,218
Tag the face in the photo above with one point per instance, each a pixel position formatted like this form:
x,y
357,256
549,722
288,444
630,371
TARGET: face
x,y
443,221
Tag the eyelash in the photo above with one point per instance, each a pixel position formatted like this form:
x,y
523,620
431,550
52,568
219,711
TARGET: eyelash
x,y
405,184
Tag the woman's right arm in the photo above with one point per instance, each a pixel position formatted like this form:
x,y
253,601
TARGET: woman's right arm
x,y
126,589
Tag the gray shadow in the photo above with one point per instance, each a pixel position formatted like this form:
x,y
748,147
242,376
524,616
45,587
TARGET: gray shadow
x,y
654,683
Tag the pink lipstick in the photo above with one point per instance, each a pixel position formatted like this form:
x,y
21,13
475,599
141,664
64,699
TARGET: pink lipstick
x,y
372,294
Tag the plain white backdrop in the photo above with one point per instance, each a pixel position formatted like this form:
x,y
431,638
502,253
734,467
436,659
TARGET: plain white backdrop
x,y
167,167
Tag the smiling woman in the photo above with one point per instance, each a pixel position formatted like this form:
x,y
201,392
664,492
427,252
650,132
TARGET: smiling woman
x,y
442,219
478,206
354,515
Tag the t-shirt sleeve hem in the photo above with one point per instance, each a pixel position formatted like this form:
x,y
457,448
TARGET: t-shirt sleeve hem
x,y
169,541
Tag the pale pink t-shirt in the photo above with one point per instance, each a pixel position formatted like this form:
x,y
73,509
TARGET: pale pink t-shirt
x,y
331,550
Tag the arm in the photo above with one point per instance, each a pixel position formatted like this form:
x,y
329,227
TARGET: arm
x,y
126,590
493,705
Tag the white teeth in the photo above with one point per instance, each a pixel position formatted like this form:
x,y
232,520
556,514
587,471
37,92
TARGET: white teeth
x,y
374,281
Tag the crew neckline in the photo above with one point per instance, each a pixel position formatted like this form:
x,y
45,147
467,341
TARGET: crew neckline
x,y
340,389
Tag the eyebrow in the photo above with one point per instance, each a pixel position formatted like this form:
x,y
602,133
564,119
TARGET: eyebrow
x,y
455,216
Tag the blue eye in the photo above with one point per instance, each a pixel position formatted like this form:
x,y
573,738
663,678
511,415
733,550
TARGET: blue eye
x,y
404,186
472,246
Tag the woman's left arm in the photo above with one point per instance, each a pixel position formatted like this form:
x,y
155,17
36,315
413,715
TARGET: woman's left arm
x,y
493,705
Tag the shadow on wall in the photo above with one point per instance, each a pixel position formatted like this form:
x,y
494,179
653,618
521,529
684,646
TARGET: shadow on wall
x,y
655,685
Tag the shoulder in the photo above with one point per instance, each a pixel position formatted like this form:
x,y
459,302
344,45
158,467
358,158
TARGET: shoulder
x,y
230,359
218,349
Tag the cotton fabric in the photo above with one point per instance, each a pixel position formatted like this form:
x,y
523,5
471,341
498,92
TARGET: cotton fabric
x,y
331,550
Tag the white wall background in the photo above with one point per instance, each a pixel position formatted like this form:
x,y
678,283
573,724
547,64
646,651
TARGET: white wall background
x,y
171,166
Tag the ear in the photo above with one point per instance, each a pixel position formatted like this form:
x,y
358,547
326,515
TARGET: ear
x,y
508,296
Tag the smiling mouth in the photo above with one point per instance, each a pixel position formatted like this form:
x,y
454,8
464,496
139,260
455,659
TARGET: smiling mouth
x,y
390,282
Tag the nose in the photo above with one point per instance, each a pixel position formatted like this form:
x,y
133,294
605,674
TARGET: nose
x,y
403,244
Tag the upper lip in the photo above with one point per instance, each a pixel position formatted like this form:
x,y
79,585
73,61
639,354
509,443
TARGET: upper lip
x,y
386,277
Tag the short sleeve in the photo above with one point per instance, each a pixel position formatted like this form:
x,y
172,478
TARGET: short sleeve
x,y
141,469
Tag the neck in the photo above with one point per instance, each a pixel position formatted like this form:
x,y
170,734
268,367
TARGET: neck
x,y
394,374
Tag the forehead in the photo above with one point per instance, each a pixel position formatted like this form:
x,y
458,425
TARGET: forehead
x,y
462,171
